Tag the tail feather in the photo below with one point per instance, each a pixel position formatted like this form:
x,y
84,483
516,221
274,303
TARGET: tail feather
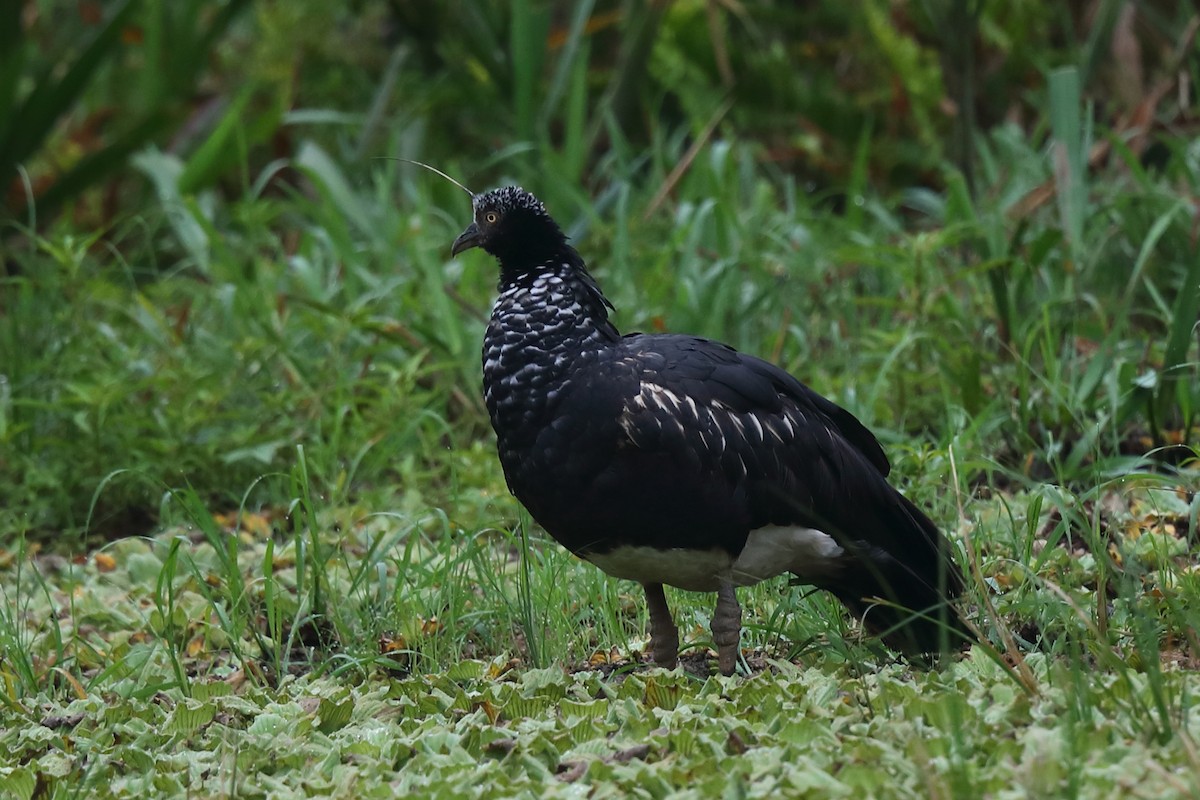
x,y
908,617
905,593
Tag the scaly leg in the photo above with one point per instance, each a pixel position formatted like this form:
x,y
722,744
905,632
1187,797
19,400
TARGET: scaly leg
x,y
664,636
727,628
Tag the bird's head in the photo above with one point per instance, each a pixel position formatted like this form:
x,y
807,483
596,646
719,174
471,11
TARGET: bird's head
x,y
512,225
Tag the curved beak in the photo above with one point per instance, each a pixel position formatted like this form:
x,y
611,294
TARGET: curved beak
x,y
469,238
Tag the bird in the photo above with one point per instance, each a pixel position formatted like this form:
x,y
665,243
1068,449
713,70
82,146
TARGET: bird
x,y
676,460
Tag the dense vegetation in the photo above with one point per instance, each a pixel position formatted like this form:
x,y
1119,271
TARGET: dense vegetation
x,y
253,535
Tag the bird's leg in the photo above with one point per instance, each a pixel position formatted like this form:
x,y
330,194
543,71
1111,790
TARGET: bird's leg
x,y
664,636
727,627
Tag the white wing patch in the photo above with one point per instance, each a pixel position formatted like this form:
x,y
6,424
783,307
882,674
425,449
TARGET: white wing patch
x,y
807,553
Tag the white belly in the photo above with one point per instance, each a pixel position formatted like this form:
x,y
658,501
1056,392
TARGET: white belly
x,y
769,551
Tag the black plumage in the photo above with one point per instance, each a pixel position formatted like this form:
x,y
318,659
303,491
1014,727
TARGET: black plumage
x,y
677,460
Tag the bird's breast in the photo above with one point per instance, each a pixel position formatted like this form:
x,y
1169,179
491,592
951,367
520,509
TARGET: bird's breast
x,y
538,349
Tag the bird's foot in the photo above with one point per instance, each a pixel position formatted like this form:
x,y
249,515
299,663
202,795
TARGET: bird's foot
x,y
664,636
727,628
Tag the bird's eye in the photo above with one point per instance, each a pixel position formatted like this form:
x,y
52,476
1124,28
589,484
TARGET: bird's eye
x,y
491,217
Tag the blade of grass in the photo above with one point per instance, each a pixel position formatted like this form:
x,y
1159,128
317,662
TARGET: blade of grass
x,y
156,51
1099,36
529,621
856,185
571,55
574,148
1179,337
221,149
164,604
272,611
317,553
527,41
1067,152
639,31
325,170
697,146
377,111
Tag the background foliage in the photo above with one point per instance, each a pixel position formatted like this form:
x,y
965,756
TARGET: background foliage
x,y
241,438
209,144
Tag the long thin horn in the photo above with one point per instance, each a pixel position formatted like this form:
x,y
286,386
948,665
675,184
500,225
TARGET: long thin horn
x,y
434,170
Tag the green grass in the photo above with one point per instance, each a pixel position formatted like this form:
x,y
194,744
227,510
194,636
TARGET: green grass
x,y
256,541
